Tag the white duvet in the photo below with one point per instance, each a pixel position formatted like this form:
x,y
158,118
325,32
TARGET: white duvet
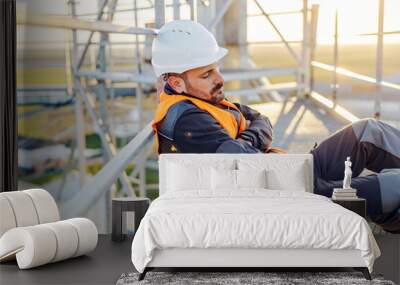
x,y
253,218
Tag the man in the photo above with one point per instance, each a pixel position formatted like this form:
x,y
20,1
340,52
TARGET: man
x,y
193,116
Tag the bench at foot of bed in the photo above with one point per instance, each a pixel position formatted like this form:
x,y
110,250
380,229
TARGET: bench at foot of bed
x,y
363,270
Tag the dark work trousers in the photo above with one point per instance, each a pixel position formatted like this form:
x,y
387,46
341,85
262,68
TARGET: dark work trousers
x,y
370,144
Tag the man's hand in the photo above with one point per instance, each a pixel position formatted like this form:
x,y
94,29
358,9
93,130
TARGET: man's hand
x,y
242,140
248,122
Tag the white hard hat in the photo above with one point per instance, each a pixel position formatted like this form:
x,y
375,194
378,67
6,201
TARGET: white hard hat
x,y
183,45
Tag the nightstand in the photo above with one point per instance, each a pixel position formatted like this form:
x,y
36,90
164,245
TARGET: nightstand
x,y
119,208
356,205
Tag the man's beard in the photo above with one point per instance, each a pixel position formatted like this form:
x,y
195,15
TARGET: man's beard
x,y
216,97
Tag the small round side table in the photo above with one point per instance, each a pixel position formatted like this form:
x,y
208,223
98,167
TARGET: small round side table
x,y
127,204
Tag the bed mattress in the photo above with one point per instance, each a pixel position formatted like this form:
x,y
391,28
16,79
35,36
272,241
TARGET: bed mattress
x,y
250,219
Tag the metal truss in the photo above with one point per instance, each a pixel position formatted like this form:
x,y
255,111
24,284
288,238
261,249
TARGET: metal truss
x,y
138,149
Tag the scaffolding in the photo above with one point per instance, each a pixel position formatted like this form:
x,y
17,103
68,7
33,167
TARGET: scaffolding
x,y
211,14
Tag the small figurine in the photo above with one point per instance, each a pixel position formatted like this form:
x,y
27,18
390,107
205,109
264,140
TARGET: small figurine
x,y
347,174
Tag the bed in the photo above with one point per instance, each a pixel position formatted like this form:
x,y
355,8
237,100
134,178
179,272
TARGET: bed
x,y
247,210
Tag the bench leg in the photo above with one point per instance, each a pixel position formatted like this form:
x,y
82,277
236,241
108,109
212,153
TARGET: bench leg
x,y
143,274
364,271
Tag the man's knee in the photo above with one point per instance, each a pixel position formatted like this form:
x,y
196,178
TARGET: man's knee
x,y
369,125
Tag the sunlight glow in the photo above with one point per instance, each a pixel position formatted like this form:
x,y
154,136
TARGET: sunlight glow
x,y
341,111
351,74
355,17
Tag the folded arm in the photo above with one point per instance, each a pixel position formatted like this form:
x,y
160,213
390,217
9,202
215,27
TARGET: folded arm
x,y
196,131
260,132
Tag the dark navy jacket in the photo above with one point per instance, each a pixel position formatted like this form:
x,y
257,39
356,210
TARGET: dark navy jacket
x,y
188,129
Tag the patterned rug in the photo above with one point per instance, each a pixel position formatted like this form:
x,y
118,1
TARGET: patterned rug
x,y
230,278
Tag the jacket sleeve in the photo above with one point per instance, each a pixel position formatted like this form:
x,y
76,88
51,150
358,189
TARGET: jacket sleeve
x,y
196,131
260,132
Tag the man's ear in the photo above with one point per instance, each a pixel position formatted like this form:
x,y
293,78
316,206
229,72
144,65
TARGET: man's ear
x,y
177,83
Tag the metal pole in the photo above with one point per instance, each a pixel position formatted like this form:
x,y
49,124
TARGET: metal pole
x,y
301,74
242,39
242,32
78,205
102,66
110,15
101,87
379,56
85,49
335,61
290,49
79,119
177,9
355,75
139,108
159,10
110,86
105,137
139,93
193,10
221,14
307,50
314,27
101,96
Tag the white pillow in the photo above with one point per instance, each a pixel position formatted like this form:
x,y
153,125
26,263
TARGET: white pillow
x,y
251,178
291,178
281,173
183,177
231,180
223,179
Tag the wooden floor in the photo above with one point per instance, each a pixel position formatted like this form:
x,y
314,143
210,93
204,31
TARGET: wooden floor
x,y
110,259
298,124
102,266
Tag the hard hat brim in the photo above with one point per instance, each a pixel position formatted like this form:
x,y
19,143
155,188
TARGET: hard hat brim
x,y
159,70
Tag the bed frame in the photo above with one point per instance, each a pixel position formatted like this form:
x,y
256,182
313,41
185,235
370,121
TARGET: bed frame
x,y
246,258
242,259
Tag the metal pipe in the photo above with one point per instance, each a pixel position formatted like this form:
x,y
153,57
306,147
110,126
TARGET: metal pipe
x,y
246,74
139,107
335,60
159,10
219,15
314,27
342,113
277,13
193,9
284,87
88,42
102,181
302,81
355,75
274,95
290,49
177,9
104,136
272,42
379,56
384,33
129,10
65,22
101,89
79,120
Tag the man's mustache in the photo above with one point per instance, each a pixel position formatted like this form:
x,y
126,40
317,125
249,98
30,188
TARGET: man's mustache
x,y
216,88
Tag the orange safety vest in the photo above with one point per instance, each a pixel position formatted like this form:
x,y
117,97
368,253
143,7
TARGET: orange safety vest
x,y
224,118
